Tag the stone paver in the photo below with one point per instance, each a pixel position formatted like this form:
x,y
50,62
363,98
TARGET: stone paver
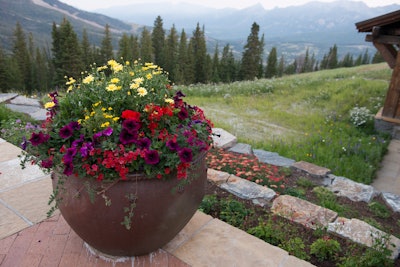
x,y
8,151
344,187
317,174
363,233
242,188
22,100
392,201
302,211
30,200
13,176
272,158
7,96
242,149
220,244
223,139
217,177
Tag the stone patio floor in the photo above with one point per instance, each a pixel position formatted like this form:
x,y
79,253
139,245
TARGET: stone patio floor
x,y
27,238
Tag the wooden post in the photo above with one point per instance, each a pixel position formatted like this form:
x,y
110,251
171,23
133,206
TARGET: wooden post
x,y
391,109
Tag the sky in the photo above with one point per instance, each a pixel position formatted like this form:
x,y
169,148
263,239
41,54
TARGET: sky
x,y
90,5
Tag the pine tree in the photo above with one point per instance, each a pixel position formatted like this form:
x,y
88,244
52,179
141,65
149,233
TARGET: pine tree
x,y
5,81
251,58
215,66
67,56
158,41
21,58
125,49
106,49
272,64
87,51
183,61
146,46
377,58
134,41
281,66
171,54
227,71
199,53
365,58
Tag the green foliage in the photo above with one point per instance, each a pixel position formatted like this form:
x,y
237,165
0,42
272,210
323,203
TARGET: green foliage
x,y
325,248
15,126
208,204
269,232
376,256
233,212
296,247
379,209
296,192
326,198
305,183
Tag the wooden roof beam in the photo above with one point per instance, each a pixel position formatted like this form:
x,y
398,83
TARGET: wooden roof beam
x,y
383,39
388,53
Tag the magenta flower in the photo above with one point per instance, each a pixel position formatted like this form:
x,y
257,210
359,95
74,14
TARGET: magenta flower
x,y
172,145
108,131
185,155
143,143
85,149
151,157
66,131
48,163
183,114
131,125
69,168
127,137
39,138
69,155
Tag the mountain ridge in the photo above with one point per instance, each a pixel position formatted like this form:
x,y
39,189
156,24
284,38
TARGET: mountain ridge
x,y
292,29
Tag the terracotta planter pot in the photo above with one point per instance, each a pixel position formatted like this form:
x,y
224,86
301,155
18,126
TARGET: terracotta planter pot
x,y
162,209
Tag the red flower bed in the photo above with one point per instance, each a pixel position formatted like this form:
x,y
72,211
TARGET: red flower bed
x,y
247,167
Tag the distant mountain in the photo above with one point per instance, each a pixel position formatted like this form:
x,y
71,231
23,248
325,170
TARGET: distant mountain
x,y
37,17
315,25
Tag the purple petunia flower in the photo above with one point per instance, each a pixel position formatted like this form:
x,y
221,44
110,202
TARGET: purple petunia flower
x,y
108,131
24,143
151,157
69,168
76,142
74,125
85,149
66,131
131,126
143,143
127,137
38,138
183,114
172,145
69,155
185,155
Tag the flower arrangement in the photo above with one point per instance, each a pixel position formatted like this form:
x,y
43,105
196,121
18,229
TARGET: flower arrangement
x,y
117,119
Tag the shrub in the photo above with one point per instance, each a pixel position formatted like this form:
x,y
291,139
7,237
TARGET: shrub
x,y
325,248
360,116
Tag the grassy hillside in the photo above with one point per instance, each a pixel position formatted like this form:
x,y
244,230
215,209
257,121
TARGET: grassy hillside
x,y
305,117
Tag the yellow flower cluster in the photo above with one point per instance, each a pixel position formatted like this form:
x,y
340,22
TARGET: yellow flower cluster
x,y
115,66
